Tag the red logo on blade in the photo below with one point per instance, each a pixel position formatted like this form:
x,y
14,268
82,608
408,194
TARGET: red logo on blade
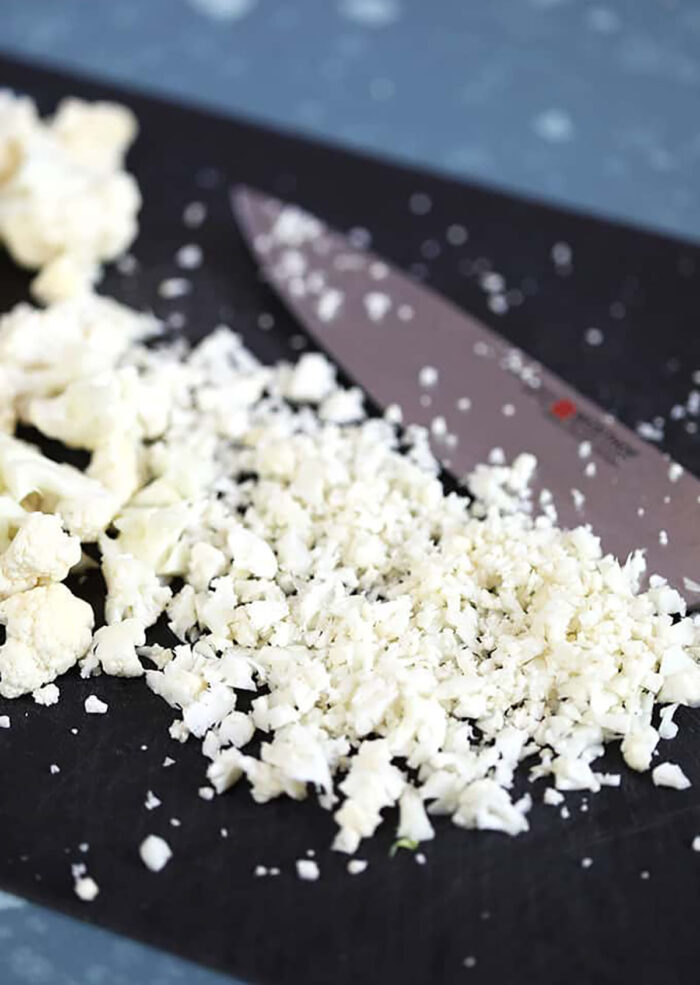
x,y
563,409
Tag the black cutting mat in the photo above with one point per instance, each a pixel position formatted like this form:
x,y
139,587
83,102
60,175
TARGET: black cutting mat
x,y
524,908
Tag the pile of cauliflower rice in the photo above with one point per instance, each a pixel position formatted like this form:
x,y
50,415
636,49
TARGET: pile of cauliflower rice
x,y
345,628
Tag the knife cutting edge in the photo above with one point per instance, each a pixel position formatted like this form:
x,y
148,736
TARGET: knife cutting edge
x,y
404,344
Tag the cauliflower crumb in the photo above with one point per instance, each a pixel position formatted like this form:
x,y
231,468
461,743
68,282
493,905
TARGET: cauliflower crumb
x,y
86,888
155,853
307,869
670,775
94,706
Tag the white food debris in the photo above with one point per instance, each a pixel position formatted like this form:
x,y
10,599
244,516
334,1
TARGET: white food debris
x,y
174,287
47,695
356,866
66,204
670,775
377,304
152,801
86,888
94,706
696,843
307,869
189,256
5,721
54,768
155,853
428,376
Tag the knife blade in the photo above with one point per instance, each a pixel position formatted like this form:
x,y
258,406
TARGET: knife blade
x,y
404,344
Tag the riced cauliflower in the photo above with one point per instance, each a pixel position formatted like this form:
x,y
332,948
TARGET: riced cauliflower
x,y
392,647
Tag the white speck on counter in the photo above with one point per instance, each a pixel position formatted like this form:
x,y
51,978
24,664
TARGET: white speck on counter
x,y
54,769
456,235
168,761
464,404
584,449
663,538
561,254
508,410
590,469
94,706
194,214
5,721
552,797
651,432
175,822
644,874
586,862
469,961
307,869
155,853
594,336
675,471
420,858
420,204
259,871
405,312
47,695
265,321
696,843
152,801
189,256
86,888
206,793
356,866
174,287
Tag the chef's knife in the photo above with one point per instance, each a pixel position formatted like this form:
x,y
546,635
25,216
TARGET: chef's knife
x,y
406,345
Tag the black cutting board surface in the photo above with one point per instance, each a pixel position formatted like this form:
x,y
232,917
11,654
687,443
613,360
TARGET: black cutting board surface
x,y
525,909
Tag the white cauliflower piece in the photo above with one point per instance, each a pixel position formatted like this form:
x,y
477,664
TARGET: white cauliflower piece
x,y
42,352
114,650
62,188
48,630
85,506
40,552
134,590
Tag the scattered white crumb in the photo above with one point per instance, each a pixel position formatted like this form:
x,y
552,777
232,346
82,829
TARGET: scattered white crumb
x,y
553,797
420,858
675,471
206,793
469,961
155,853
356,866
94,706
189,256
696,843
5,721
670,775
307,869
168,761
86,888
586,862
194,214
54,768
152,801
47,695
174,287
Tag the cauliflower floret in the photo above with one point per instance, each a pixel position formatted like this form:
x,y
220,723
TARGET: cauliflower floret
x,y
84,504
114,650
133,588
48,630
63,191
42,352
97,134
40,552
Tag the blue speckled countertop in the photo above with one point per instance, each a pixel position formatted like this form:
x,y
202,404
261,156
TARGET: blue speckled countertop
x,y
591,104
